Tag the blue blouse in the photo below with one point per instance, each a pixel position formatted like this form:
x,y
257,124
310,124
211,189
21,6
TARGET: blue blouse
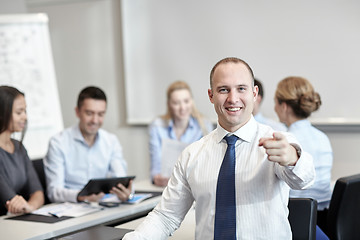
x,y
316,143
161,129
277,126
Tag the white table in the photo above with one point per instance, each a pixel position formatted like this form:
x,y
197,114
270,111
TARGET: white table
x,y
16,229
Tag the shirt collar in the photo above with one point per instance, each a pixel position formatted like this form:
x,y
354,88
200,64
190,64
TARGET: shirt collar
x,y
246,132
78,135
297,124
258,116
190,125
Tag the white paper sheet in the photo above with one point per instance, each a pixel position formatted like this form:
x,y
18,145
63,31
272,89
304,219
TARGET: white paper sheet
x,y
170,152
67,209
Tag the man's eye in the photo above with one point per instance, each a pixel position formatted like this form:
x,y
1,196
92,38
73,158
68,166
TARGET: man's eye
x,y
223,90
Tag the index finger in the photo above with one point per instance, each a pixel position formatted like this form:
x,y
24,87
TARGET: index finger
x,y
263,140
278,136
120,186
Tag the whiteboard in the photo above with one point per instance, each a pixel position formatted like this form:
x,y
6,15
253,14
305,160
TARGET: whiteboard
x,y
168,40
26,63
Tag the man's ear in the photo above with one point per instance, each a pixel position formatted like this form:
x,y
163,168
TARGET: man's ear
x,y
77,112
210,94
255,92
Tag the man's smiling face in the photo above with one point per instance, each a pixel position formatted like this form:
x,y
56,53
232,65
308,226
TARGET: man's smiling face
x,y
233,95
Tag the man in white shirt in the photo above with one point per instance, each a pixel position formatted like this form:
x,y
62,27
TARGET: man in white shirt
x,y
267,165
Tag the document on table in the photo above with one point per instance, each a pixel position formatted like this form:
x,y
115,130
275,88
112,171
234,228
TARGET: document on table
x,y
67,209
171,150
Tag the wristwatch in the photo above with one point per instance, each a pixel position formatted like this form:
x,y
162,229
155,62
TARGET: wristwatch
x,y
131,196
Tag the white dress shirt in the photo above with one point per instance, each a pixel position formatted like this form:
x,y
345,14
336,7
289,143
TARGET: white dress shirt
x,y
262,188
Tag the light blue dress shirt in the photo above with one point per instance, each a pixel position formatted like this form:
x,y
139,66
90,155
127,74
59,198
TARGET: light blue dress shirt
x,y
161,129
318,145
70,163
277,126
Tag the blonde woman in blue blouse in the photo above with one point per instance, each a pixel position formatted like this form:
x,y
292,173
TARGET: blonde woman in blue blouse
x,y
182,122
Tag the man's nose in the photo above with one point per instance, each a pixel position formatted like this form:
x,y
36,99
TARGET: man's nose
x,y
95,118
233,97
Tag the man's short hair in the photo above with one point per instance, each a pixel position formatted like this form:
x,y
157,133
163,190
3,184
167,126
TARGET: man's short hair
x,y
232,60
90,92
258,83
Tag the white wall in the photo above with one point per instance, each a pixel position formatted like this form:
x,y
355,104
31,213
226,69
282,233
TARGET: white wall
x,y
86,41
346,156
168,40
12,6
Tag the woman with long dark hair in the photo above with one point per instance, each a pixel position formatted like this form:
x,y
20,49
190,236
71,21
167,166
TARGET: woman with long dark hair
x,y
20,188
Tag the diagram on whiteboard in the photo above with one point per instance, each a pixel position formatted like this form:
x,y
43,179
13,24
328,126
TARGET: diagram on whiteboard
x,y
26,63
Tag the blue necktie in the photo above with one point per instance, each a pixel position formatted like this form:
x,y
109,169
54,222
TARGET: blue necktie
x,y
225,212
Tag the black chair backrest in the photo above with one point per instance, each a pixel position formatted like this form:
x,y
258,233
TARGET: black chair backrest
x,y
302,218
343,221
39,168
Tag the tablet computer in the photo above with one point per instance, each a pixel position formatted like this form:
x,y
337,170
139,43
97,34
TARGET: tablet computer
x,y
104,185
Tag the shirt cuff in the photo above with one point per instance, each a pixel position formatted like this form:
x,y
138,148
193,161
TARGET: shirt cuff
x,y
72,197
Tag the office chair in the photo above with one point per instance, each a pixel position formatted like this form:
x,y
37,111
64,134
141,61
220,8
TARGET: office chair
x,y
343,220
302,218
39,169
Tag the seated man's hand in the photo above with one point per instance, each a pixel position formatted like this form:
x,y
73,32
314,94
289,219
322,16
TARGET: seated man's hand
x,y
122,192
160,180
18,205
91,198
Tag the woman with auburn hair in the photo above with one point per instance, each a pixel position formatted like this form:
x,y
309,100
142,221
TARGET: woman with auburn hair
x,y
295,100
182,122
21,191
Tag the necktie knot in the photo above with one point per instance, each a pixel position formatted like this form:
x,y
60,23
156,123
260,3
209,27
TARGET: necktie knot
x,y
231,140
